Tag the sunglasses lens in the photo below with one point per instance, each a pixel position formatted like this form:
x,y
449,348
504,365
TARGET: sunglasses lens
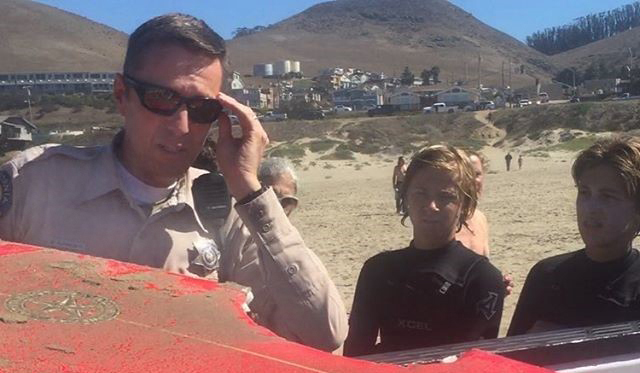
x,y
161,101
204,110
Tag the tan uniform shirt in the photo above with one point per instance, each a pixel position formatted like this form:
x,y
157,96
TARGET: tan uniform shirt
x,y
72,199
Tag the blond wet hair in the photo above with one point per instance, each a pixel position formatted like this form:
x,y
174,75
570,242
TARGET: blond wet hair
x,y
454,161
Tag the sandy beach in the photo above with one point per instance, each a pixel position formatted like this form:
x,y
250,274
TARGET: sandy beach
x,y
347,214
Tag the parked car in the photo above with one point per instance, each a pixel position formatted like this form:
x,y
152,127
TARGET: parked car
x,y
439,107
486,105
543,97
524,102
342,109
369,107
270,116
383,110
312,114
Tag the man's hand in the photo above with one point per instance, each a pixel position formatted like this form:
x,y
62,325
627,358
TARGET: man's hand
x,y
239,158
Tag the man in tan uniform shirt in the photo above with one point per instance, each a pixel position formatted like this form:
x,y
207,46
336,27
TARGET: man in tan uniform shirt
x,y
132,201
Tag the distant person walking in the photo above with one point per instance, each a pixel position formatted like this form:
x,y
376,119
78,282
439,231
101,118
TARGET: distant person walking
x,y
507,159
397,180
520,160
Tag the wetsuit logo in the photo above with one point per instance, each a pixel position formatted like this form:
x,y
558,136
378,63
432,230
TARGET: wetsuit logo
x,y
413,324
488,306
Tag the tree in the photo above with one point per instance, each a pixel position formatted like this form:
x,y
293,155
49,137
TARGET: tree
x,y
426,76
435,72
407,77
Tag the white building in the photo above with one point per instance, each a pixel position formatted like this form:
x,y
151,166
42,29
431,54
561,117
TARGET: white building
x,y
405,99
282,67
295,66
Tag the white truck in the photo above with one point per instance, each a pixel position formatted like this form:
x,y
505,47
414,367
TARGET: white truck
x,y
439,107
270,116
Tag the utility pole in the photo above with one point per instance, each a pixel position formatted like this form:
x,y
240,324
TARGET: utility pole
x,y
466,72
479,83
28,88
510,69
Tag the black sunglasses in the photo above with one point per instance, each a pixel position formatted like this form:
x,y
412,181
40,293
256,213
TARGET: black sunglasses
x,y
165,101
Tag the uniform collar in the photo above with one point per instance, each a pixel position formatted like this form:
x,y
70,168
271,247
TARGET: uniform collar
x,y
103,177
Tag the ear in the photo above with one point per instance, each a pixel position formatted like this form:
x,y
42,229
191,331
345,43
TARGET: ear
x,y
120,93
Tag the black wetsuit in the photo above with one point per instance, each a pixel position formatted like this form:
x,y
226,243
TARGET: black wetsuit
x,y
422,298
571,290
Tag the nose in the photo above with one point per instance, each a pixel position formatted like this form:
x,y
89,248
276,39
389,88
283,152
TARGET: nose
x,y
432,205
179,122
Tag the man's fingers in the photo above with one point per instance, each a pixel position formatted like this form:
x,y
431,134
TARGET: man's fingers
x,y
247,118
224,128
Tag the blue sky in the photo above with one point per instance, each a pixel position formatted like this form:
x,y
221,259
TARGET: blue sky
x,y
517,18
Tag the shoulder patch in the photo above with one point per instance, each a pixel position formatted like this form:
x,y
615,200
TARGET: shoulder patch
x,y
6,191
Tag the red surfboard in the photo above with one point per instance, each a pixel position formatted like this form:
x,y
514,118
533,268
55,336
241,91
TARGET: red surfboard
x,y
63,312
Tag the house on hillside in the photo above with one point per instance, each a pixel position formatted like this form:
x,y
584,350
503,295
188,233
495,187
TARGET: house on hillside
x,y
405,99
236,81
458,96
255,98
57,82
357,98
15,133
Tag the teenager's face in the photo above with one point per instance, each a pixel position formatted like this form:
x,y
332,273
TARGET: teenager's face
x,y
607,218
434,207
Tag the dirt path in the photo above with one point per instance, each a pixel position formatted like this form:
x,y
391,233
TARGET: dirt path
x,y
498,134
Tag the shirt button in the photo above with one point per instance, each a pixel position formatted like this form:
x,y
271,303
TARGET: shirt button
x,y
292,269
260,213
266,228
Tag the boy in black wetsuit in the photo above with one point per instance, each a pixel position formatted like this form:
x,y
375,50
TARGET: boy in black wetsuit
x,y
436,291
599,284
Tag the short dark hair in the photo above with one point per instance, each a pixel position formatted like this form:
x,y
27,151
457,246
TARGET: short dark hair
x,y
622,153
178,29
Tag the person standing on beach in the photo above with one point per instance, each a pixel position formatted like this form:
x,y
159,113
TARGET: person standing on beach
x,y
397,180
474,233
520,160
435,291
507,159
599,284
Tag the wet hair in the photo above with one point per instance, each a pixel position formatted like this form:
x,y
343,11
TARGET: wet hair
x,y
271,168
622,153
455,162
178,29
206,159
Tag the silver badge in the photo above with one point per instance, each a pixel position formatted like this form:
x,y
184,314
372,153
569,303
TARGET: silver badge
x,y
208,254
